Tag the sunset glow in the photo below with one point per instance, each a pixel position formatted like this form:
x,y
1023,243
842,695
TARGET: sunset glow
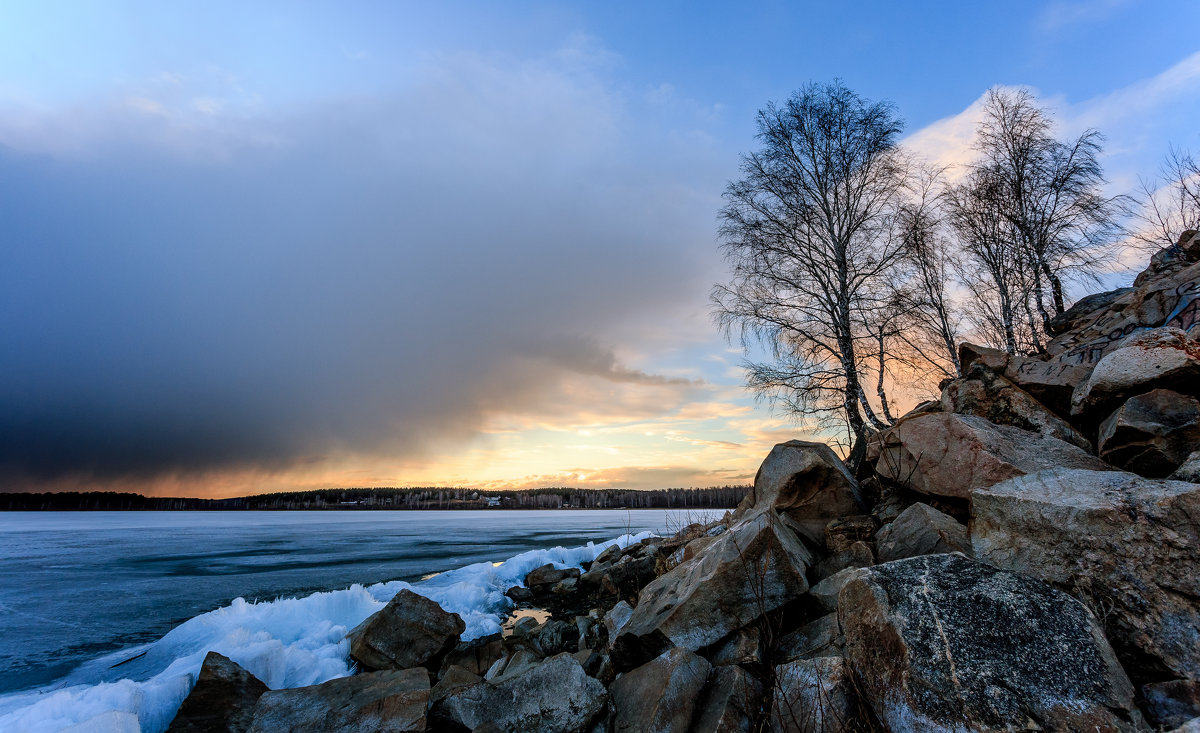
x,y
265,248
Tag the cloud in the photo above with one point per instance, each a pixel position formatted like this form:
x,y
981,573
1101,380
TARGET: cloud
x,y
1139,121
1059,15
236,290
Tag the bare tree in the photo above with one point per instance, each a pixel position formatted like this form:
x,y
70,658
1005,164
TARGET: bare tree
x,y
991,268
807,234
932,332
1170,202
1050,192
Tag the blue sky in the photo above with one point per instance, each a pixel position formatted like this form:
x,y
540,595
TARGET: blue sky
x,y
250,247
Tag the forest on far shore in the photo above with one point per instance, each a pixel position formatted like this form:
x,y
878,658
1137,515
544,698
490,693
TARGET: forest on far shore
x,y
720,497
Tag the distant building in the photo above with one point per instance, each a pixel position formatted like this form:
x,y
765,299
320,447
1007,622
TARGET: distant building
x,y
493,501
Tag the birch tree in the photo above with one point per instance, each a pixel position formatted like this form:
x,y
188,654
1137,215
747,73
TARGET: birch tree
x,y
807,233
1051,194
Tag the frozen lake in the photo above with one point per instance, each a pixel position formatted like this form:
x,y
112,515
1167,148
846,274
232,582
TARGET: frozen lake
x,y
75,586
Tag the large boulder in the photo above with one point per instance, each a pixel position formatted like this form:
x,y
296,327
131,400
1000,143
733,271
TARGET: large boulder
x,y
1085,309
744,646
825,593
222,700
952,455
819,638
410,631
1126,544
815,696
1168,260
476,655
944,643
392,701
621,577
1164,295
754,568
1190,470
970,355
729,702
542,579
808,482
556,696
1049,382
1151,434
921,530
453,678
661,694
1159,358
994,398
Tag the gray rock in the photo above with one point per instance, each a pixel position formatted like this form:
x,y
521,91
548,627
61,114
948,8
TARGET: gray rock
x,y
587,630
222,700
544,578
616,618
743,646
999,401
1173,258
921,530
1126,544
819,638
553,637
815,696
660,695
1085,309
944,643
1051,382
953,455
611,554
693,548
994,360
1172,703
858,555
1159,358
1190,470
392,701
556,696
1151,434
410,631
826,592
519,594
1162,296
512,664
729,702
476,655
596,664
750,570
809,482
564,587
622,578
1192,726
845,531
453,678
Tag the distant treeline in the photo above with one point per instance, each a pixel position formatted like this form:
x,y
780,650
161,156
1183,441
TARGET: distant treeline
x,y
721,497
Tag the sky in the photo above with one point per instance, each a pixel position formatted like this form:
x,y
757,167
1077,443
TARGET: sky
x,y
252,247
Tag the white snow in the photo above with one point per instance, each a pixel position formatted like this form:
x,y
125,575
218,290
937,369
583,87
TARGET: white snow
x,y
289,642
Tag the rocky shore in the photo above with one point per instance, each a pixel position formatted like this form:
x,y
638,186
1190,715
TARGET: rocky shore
x,y
1021,555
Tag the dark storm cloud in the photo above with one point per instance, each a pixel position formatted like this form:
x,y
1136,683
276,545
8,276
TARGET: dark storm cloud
x,y
361,276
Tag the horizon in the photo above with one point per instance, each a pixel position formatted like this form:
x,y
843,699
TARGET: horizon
x,y
283,248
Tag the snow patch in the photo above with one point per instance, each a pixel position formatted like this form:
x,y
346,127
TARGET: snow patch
x,y
289,642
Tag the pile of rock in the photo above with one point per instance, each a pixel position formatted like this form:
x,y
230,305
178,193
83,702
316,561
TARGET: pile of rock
x,y
1023,554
